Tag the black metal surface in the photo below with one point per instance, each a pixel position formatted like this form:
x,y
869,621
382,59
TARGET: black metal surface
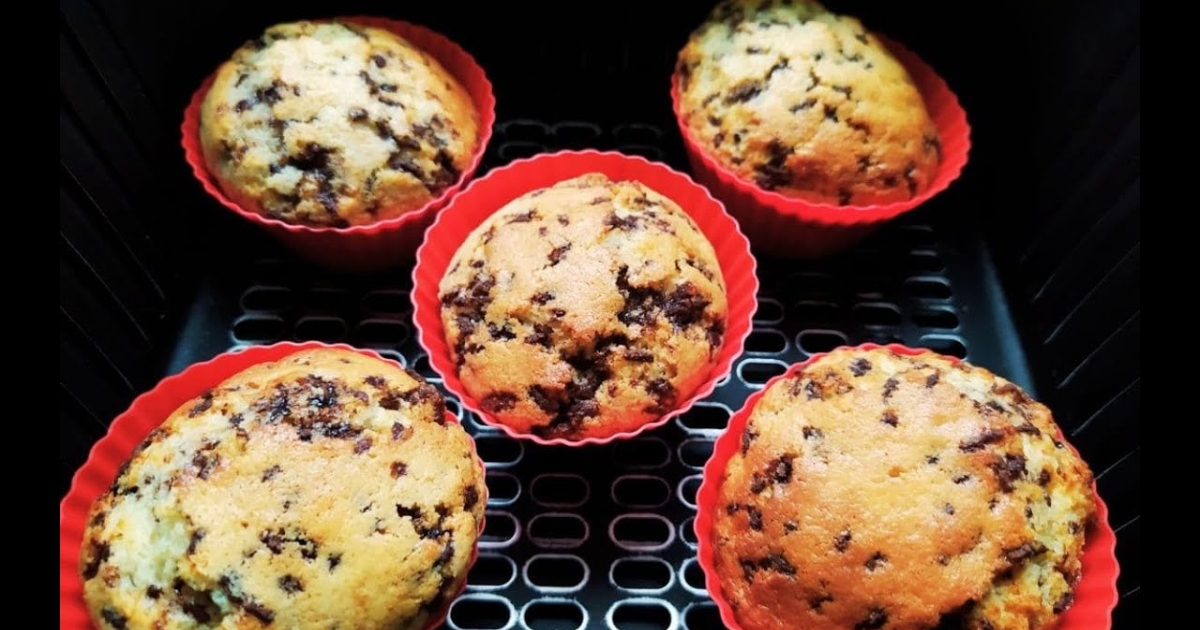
x,y
154,276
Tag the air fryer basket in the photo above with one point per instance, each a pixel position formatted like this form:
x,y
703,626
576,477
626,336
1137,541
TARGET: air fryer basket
x,y
1028,266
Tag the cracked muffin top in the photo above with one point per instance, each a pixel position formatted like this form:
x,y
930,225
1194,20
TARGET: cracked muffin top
x,y
324,490
585,309
333,124
880,491
807,103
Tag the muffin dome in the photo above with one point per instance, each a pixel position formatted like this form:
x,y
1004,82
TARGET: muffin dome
x,y
585,309
334,124
806,103
323,490
875,490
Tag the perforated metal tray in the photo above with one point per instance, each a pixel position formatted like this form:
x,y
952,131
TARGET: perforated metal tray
x,y
601,537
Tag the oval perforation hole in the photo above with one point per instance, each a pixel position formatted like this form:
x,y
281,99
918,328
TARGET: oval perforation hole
x,y
877,314
503,488
694,453
497,451
818,312
642,614
556,572
575,135
386,302
769,311
705,418
637,133
421,366
687,532
918,236
756,372
766,341
492,571
523,129
928,288
642,575
640,491
925,261
517,150
554,614
936,318
648,151
381,332
692,575
814,341
703,616
500,529
258,329
688,486
558,530
642,453
267,299
559,490
326,329
945,345
641,532
477,611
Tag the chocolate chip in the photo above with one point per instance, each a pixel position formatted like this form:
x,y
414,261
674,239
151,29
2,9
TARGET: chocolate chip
x,y
831,113
399,469
273,540
338,430
874,620
744,91
205,403
362,445
961,479
932,379
988,436
291,584
638,355
399,431
1008,470
541,335
524,217
876,560
1064,603
812,433
334,560
99,554
748,436
270,473
260,612
153,592
664,395
889,387
778,563
497,402
758,483
755,516
543,399
781,469
113,618
409,511
774,173
948,509
236,419
563,220
820,600
860,366
626,223
842,541
1023,551
805,105
889,418
748,569
542,298
470,497
812,391
732,509
556,254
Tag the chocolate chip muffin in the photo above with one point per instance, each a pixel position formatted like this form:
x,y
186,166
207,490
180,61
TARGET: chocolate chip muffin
x,y
806,103
585,309
880,491
324,490
333,124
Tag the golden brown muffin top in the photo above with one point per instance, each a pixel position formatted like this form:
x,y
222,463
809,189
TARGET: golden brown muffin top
x,y
335,124
584,309
322,490
806,103
874,490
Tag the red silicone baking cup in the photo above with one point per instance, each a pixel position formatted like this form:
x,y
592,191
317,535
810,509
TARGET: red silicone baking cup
x,y
131,427
793,228
490,193
1095,594
376,245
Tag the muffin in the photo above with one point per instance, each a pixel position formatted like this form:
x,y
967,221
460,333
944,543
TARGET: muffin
x,y
583,310
806,103
875,490
323,490
331,124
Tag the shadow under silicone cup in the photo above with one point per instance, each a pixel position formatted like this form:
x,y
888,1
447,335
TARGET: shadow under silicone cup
x,y
378,245
490,193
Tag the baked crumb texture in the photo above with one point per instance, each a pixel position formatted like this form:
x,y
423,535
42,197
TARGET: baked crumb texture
x,y
584,310
806,103
325,490
334,125
877,491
